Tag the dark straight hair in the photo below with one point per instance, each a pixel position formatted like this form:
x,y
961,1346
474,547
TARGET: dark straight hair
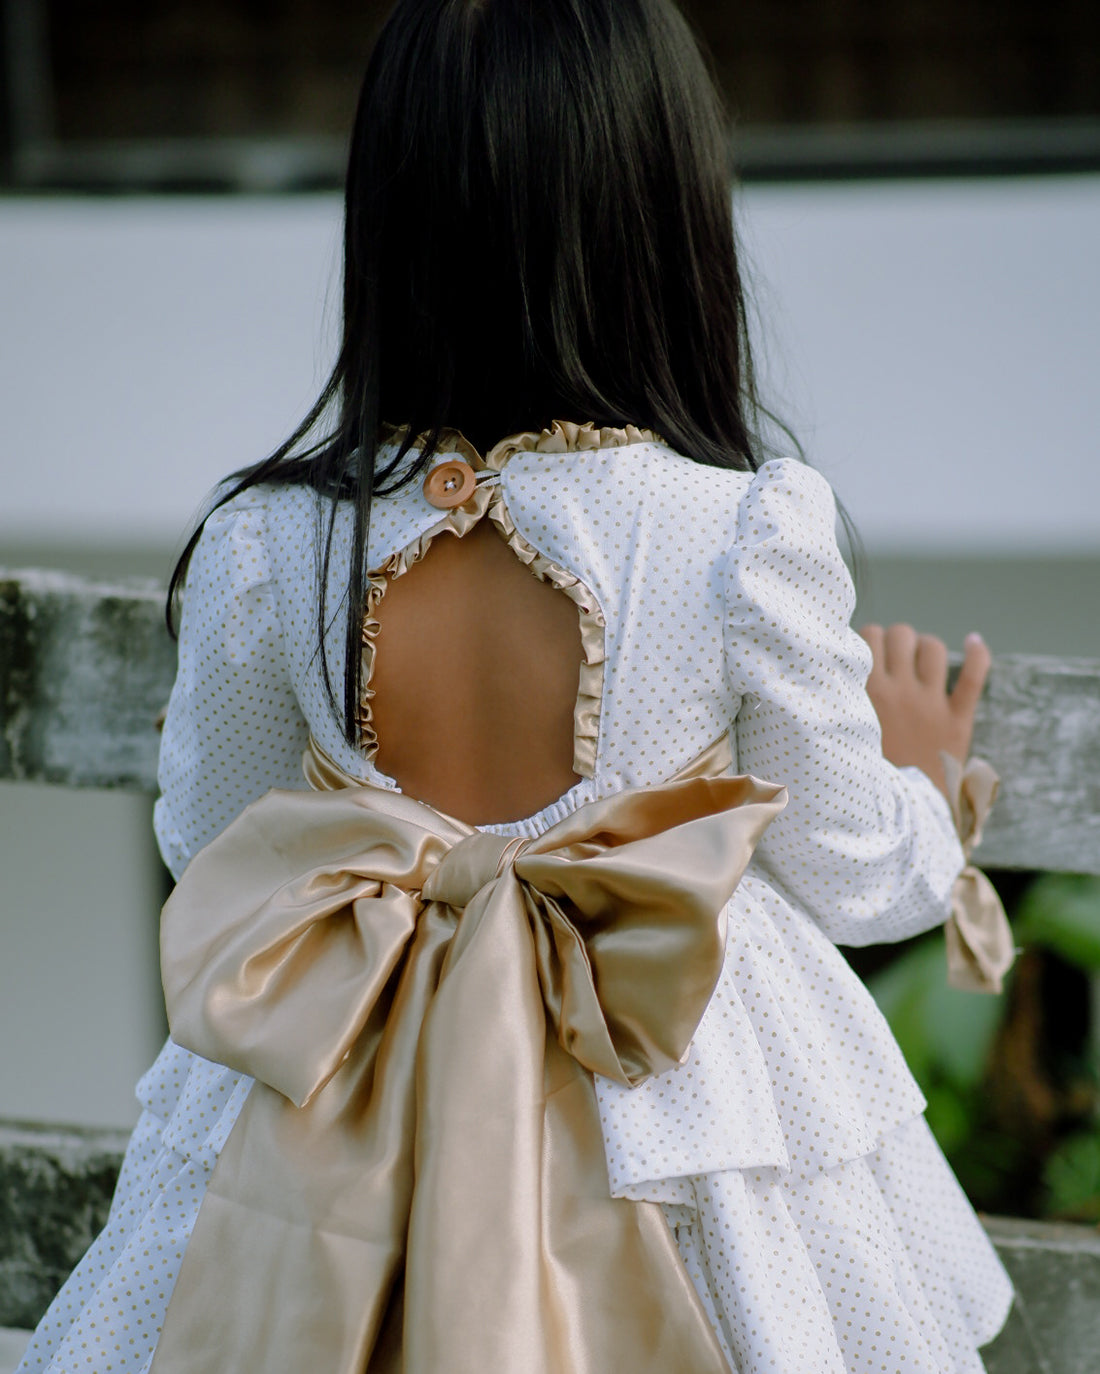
x,y
538,226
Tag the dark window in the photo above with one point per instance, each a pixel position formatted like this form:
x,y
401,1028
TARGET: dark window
x,y
246,93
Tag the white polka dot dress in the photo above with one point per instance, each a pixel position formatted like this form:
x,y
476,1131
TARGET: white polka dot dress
x,y
817,1218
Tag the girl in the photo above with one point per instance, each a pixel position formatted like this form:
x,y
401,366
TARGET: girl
x,y
521,1041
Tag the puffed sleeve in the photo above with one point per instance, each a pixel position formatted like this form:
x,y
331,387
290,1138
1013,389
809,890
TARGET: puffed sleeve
x,y
234,728
867,850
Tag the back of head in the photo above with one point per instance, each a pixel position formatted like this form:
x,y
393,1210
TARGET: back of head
x,y
539,226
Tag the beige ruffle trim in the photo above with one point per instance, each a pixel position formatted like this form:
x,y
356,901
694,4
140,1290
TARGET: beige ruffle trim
x,y
487,500
563,436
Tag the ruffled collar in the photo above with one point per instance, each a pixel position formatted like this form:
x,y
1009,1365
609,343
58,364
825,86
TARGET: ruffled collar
x,y
563,436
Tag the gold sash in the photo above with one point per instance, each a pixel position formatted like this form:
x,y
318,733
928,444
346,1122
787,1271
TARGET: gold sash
x,y
980,947
417,1180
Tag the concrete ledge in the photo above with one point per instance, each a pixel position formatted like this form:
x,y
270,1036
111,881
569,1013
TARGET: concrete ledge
x,y
1054,1327
56,1185
84,669
55,1192
12,1345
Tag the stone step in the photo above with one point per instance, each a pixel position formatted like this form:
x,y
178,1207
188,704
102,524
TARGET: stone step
x,y
12,1344
56,1185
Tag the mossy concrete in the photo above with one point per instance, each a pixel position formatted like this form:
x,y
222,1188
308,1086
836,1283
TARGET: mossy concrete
x,y
85,668
55,1193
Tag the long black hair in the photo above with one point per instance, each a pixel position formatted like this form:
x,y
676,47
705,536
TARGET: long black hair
x,y
538,226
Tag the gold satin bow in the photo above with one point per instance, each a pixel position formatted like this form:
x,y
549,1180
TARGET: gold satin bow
x,y
417,1181
980,947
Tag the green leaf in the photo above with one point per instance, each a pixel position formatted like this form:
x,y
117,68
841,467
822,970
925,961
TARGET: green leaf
x,y
944,1034
1072,1178
1062,912
949,1116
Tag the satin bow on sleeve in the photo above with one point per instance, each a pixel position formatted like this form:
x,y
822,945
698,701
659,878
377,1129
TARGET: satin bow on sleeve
x,y
980,947
417,1181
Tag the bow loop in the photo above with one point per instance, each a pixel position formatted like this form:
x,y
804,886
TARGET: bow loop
x,y
980,947
630,888
971,791
283,933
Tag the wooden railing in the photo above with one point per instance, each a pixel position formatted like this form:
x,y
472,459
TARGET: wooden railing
x,y
85,669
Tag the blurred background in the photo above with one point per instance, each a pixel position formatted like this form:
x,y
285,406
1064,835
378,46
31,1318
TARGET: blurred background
x,y
919,207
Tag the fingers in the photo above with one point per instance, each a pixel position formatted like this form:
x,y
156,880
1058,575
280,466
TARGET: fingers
x,y
907,688
901,649
932,661
972,675
905,653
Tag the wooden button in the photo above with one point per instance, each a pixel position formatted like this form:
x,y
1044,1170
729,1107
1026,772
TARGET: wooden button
x,y
450,484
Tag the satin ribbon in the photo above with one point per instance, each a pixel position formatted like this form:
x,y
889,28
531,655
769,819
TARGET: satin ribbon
x,y
417,1180
980,947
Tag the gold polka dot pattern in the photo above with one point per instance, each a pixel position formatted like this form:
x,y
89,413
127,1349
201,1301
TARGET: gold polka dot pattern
x,y
817,1218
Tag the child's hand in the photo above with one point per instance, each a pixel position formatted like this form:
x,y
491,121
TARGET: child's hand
x,y
908,689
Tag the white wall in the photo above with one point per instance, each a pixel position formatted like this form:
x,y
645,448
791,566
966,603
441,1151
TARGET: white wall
x,y
147,348
935,343
81,1012
939,346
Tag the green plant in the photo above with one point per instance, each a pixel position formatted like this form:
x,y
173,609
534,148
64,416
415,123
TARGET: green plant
x,y
1011,1081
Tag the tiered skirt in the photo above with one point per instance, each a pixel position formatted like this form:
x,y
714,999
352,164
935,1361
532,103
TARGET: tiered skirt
x,y
823,1229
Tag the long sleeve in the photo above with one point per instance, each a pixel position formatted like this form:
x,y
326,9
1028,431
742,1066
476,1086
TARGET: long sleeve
x,y
866,849
233,731
234,728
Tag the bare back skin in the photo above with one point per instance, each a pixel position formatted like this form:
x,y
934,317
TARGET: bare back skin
x,y
475,682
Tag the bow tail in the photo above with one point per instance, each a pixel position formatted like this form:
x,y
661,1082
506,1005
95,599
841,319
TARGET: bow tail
x,y
307,1209
980,945
623,1299
520,1261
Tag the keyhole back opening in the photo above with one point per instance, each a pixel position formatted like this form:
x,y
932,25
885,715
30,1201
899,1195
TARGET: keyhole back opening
x,y
475,681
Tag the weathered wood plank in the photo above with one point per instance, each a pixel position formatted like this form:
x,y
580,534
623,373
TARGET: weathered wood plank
x,y
84,669
1039,726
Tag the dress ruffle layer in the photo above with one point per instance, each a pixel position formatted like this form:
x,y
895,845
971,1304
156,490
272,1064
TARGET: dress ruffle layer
x,y
109,1314
793,1063
876,1266
822,1226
